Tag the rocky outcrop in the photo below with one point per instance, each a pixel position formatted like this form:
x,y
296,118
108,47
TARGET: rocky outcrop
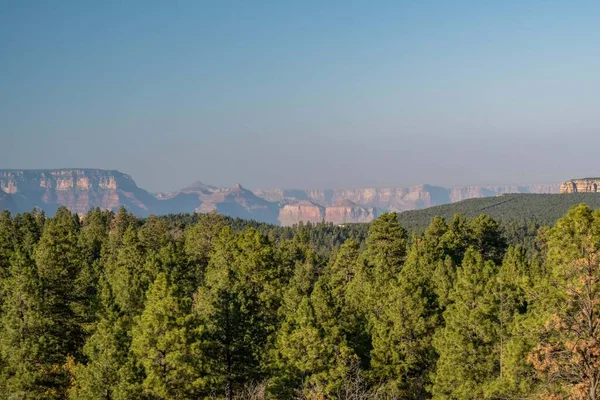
x,y
341,212
584,185
235,202
345,212
77,189
242,203
398,199
304,210
83,189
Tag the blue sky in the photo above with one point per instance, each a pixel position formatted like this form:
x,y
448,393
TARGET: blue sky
x,y
303,94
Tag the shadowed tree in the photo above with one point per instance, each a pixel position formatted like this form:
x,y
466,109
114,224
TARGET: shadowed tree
x,y
568,356
166,342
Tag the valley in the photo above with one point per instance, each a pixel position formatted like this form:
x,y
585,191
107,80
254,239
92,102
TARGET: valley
x,y
83,189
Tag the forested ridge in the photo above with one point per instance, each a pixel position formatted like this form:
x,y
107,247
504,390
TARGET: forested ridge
x,y
543,209
108,306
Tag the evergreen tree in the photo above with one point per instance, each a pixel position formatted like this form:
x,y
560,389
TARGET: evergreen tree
x,y
386,249
28,229
199,240
312,355
154,234
27,346
58,260
379,266
236,305
402,333
127,275
466,345
7,241
567,357
110,371
339,277
92,238
514,378
487,238
165,342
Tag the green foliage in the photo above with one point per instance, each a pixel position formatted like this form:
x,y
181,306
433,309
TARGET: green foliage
x,y
312,356
108,372
205,306
26,347
540,209
166,343
466,345
238,305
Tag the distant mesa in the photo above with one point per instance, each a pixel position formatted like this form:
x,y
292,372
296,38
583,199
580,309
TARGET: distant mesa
x,y
83,189
582,185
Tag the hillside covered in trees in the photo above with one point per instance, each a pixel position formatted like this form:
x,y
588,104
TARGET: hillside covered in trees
x,y
543,209
108,306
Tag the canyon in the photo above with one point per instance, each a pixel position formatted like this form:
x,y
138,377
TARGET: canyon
x,y
582,185
83,189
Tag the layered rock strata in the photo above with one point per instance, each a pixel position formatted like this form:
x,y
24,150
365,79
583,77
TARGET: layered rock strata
x,y
584,185
83,189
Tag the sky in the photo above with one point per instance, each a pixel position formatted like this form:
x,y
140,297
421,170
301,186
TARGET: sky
x,y
303,94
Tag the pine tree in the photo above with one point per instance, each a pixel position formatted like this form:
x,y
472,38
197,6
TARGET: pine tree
x,y
402,333
58,260
92,238
29,230
456,240
312,356
514,374
7,241
339,276
165,342
487,238
466,344
127,275
110,371
237,304
386,248
567,357
199,240
154,234
25,344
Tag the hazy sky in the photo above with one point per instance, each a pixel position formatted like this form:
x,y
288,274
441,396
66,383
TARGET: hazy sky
x,y
301,93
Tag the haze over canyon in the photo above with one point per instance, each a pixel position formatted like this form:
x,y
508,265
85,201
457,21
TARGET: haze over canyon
x,y
82,189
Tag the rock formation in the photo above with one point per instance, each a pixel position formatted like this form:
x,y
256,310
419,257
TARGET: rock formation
x,y
345,211
398,199
83,189
235,202
304,210
583,185
341,212
77,189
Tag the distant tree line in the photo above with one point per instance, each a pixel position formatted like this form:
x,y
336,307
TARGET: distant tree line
x,y
107,306
539,209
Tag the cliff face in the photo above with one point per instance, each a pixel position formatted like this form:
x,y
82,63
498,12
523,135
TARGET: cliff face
x,y
470,192
398,199
235,202
584,185
83,189
342,212
345,211
305,211
77,189
242,203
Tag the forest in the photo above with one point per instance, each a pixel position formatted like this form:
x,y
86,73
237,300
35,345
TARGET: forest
x,y
109,306
542,209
